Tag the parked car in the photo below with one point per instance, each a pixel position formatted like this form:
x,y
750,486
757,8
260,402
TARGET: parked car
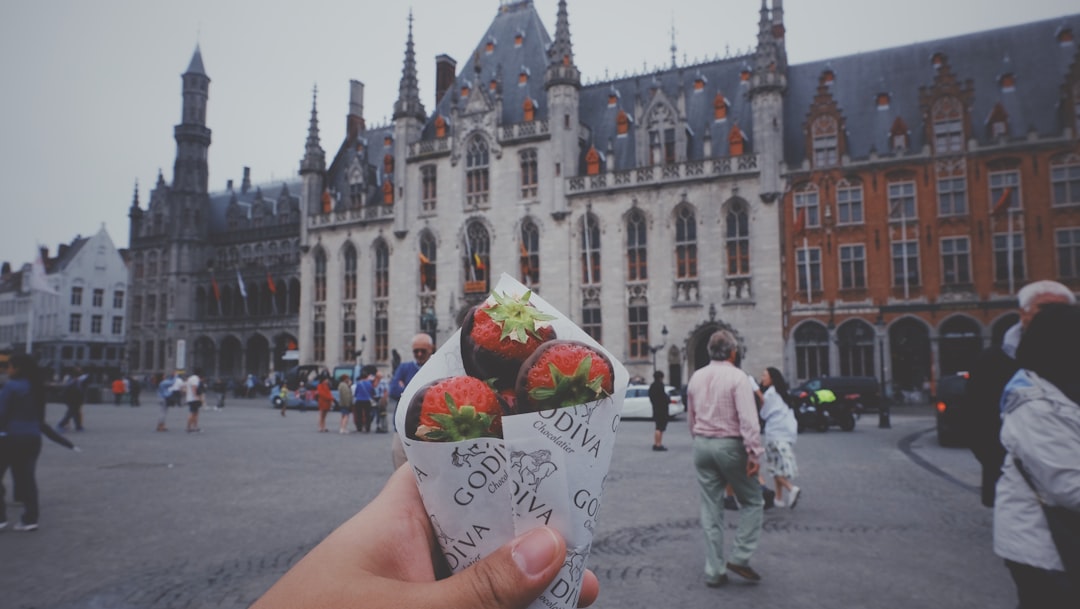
x,y
637,404
949,404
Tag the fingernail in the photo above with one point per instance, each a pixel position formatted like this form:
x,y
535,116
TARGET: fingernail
x,y
534,550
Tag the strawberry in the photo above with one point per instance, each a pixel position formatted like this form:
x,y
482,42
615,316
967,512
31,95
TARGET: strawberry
x,y
499,334
563,373
454,409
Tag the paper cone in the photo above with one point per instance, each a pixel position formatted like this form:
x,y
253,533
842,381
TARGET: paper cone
x,y
548,469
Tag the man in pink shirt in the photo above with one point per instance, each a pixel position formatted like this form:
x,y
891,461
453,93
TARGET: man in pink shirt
x,y
723,421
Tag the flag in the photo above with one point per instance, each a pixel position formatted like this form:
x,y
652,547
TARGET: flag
x,y
38,281
217,290
479,263
270,283
1002,203
240,281
800,223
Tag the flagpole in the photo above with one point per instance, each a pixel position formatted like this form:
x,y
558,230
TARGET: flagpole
x,y
1010,253
468,256
903,251
588,252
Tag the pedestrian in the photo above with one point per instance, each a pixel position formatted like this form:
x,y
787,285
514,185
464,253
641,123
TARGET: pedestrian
x,y
22,414
362,400
380,399
134,389
1041,471
345,402
781,431
193,394
166,390
422,348
74,393
325,399
118,390
981,427
723,421
659,399
219,386
385,552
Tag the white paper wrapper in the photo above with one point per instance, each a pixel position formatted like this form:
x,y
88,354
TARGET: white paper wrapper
x,y
548,470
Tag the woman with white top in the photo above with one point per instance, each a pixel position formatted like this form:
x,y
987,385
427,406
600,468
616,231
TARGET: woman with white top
x,y
781,430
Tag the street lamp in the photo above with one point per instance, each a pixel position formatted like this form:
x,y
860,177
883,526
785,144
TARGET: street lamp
x,y
360,352
656,349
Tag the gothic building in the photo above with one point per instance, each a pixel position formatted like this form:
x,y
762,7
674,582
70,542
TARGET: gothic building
x,y
214,280
871,214
645,208
928,183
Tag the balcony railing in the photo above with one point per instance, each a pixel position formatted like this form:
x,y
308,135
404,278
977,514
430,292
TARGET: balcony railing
x,y
664,174
523,131
359,215
434,147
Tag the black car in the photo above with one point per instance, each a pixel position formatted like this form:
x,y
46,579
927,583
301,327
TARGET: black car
x,y
949,403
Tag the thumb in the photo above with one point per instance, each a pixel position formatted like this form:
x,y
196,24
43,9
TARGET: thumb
x,y
512,577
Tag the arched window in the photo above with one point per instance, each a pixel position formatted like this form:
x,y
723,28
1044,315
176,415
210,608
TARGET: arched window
x,y
350,272
530,254
320,275
811,350
476,171
637,268
382,269
685,243
738,241
477,249
959,345
428,258
590,250
592,161
855,340
622,123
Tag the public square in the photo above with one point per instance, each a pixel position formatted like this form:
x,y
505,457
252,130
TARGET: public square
x,y
138,519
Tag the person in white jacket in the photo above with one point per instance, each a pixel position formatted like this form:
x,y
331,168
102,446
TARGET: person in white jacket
x,y
1041,435
781,430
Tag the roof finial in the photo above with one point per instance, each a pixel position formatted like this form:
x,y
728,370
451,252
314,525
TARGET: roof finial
x,y
561,68
674,48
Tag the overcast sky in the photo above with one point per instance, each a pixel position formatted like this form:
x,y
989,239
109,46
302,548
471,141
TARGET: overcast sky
x,y
93,87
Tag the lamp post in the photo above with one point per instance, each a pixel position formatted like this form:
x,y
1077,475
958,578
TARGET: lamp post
x,y
360,352
883,404
656,349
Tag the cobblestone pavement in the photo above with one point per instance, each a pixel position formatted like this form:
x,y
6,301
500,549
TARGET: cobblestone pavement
x,y
174,520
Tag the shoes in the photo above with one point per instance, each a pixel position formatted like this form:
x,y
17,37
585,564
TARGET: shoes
x,y
323,430
343,431
718,582
794,497
730,503
161,428
22,526
659,448
779,503
744,571
61,428
3,522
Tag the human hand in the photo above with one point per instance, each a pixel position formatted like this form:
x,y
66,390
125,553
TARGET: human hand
x,y
366,561
752,468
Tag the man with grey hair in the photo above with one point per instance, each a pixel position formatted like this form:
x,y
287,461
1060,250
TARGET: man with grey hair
x,y
723,421
995,366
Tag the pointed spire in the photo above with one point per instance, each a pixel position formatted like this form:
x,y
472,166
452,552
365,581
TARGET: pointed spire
x,y
160,179
408,104
196,65
135,198
314,156
561,68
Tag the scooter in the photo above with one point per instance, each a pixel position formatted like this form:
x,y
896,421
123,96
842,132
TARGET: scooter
x,y
842,412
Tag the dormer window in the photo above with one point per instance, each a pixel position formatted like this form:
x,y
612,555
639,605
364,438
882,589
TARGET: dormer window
x,y
699,84
937,60
883,101
388,192
388,141
744,76
824,131
947,115
1008,82
612,100
827,77
719,108
440,126
622,123
529,110
899,135
998,121
736,141
494,84
1065,36
388,164
519,39
592,161
464,91
523,76
489,48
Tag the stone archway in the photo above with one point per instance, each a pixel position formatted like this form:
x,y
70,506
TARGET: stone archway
x,y
232,358
282,344
959,345
909,342
697,346
205,356
258,355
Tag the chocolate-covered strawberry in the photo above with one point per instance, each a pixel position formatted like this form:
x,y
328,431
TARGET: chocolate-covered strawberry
x,y
454,409
499,334
563,373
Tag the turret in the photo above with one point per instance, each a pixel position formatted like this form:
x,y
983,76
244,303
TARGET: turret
x,y
192,137
135,215
768,83
562,81
409,117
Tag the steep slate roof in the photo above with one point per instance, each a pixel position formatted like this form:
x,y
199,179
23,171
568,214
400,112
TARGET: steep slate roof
x,y
220,201
1030,51
720,76
504,64
375,149
64,257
